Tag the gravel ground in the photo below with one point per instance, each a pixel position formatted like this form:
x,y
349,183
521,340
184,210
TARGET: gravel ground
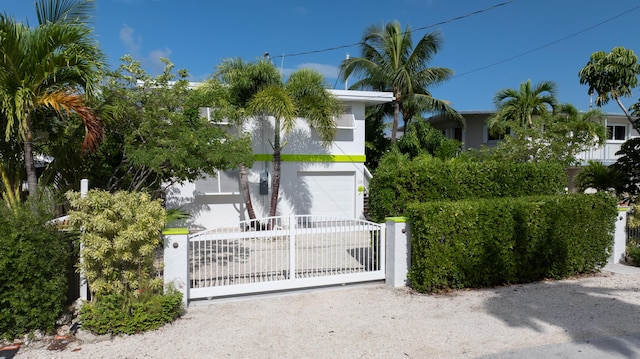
x,y
372,321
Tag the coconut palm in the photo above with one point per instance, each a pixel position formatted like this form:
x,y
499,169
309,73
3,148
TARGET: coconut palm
x,y
389,62
54,65
517,108
611,76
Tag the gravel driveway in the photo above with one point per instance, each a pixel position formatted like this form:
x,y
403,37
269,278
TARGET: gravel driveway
x,y
372,321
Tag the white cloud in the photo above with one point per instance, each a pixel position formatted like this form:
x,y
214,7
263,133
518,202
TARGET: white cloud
x,y
328,71
155,56
131,42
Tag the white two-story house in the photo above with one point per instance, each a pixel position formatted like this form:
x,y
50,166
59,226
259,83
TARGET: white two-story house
x,y
315,179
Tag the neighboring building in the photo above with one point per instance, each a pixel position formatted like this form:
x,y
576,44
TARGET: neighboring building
x,y
315,180
476,134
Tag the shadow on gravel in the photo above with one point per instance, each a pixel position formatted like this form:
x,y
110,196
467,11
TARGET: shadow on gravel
x,y
583,312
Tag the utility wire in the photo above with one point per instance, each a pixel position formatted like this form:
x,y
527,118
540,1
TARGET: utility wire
x,y
410,31
549,43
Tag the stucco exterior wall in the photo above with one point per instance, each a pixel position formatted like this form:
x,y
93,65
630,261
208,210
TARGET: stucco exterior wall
x,y
315,179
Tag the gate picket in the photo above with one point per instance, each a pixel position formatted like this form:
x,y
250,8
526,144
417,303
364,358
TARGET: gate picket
x,y
280,253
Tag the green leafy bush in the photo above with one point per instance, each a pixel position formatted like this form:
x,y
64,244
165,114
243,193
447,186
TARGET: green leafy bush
x,y
119,235
33,262
399,181
120,314
633,253
488,242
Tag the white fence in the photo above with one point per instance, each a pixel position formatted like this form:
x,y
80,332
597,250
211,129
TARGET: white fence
x,y
276,253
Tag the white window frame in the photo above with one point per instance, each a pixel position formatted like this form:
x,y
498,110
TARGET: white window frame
x,y
485,136
219,184
613,132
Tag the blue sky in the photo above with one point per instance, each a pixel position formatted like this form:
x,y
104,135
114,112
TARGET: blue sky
x,y
541,40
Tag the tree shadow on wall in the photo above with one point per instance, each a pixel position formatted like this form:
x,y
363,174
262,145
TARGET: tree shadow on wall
x,y
292,188
583,311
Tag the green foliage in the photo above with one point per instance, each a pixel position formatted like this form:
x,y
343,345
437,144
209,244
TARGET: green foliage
x,y
155,135
390,62
611,76
508,240
376,143
421,138
119,234
599,177
34,258
557,136
633,252
120,314
399,181
627,167
62,82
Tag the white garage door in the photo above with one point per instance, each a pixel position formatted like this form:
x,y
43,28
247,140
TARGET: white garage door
x,y
331,193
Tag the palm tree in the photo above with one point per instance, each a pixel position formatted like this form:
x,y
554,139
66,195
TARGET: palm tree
x,y
54,65
598,176
611,76
389,62
244,80
586,127
516,108
258,91
303,96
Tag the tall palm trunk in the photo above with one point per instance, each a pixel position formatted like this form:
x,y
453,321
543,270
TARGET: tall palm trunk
x,y
275,182
30,166
246,195
275,179
396,114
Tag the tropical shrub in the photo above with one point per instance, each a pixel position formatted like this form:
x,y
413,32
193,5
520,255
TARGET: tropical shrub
x,y
399,180
127,314
33,261
119,235
484,242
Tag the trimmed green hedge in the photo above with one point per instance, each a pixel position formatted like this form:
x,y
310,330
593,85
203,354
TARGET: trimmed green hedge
x,y
487,242
398,181
33,263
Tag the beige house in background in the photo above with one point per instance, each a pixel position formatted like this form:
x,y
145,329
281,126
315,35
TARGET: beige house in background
x,y
476,134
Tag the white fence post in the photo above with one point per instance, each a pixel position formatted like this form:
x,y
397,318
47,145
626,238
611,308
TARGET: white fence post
x,y
84,286
292,247
176,261
620,236
398,252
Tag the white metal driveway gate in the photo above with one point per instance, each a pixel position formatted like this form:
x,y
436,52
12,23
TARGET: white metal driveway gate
x,y
280,253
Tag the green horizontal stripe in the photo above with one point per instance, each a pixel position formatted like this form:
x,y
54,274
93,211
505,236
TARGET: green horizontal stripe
x,y
312,158
397,219
170,231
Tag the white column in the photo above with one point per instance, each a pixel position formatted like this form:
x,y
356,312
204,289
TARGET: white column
x,y
176,261
398,252
620,236
84,285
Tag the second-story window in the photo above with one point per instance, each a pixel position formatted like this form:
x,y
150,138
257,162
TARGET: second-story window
x,y
616,132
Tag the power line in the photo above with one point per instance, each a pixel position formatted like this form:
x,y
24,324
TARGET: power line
x,y
549,43
410,31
